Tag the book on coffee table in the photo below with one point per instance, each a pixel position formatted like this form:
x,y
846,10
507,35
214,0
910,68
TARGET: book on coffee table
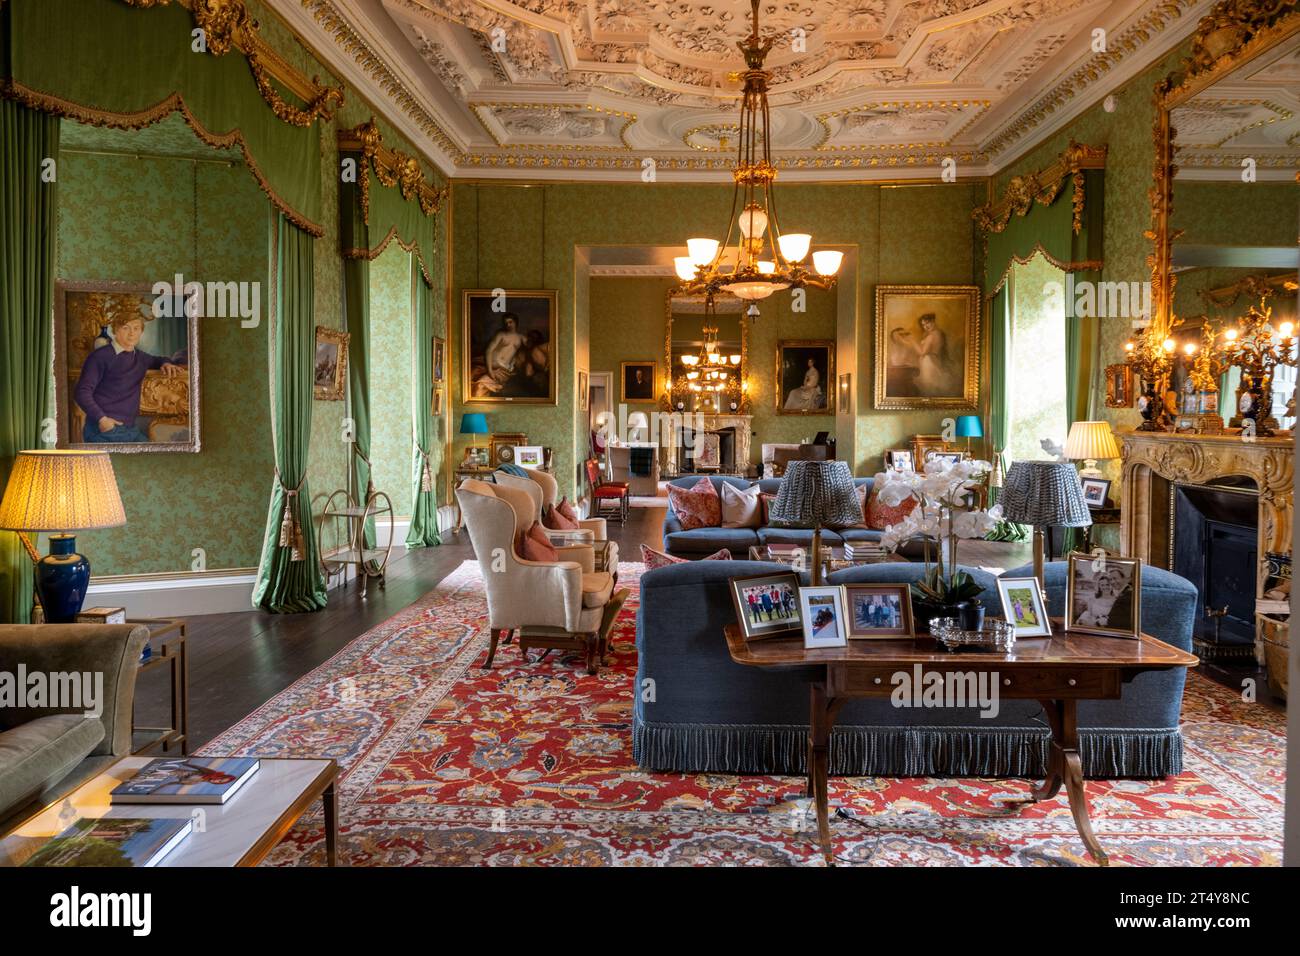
x,y
186,780
113,841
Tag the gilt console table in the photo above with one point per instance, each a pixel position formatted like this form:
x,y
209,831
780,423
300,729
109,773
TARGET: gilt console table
x,y
1057,671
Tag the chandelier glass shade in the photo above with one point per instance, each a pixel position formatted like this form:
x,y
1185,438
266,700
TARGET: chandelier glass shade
x,y
762,260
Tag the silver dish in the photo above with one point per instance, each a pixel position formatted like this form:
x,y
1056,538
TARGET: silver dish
x,y
993,636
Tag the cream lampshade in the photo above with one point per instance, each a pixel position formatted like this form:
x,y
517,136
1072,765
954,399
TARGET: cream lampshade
x,y
58,492
1090,441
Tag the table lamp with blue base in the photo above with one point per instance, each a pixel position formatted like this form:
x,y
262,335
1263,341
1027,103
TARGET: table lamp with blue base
x,y
58,492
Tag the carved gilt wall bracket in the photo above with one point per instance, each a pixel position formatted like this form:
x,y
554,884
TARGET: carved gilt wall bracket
x,y
392,168
1043,187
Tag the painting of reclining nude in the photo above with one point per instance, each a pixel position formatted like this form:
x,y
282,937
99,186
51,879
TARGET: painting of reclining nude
x,y
509,343
126,364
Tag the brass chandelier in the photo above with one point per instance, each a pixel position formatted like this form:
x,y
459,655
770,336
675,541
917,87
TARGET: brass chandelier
x,y
764,260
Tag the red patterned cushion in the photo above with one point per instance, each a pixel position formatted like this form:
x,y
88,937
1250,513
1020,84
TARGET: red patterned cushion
x,y
533,545
697,506
560,517
881,516
565,507
657,559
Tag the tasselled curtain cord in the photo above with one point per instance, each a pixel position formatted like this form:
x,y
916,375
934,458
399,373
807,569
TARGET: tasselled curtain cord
x,y
370,471
426,472
291,536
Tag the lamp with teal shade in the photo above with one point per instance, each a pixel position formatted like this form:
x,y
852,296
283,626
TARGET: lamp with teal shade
x,y
473,423
968,427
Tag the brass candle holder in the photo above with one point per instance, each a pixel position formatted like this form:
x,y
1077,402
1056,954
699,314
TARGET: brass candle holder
x,y
1255,347
1150,354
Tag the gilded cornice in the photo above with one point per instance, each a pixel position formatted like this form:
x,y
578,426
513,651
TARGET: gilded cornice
x,y
1043,187
392,168
227,25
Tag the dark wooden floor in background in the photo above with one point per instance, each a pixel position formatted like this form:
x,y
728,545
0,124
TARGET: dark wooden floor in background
x,y
239,661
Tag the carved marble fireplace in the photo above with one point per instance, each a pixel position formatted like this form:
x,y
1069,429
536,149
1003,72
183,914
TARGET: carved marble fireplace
x,y
1155,463
740,427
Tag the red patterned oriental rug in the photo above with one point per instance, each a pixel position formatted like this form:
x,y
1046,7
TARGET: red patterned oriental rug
x,y
444,763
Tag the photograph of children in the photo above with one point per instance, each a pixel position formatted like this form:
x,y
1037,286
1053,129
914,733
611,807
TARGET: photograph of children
x,y
900,459
508,338
1104,595
824,617
1022,605
766,605
879,610
1096,491
126,363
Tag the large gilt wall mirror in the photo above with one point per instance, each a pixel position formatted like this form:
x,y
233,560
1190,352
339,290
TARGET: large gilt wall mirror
x,y
1226,186
706,350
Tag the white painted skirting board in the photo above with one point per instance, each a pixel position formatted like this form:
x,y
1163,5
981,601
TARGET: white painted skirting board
x,y
192,593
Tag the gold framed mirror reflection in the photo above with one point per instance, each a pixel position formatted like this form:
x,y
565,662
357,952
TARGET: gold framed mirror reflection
x,y
706,354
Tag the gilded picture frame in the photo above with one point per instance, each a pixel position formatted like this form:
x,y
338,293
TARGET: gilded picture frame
x,y
168,411
637,382
330,365
804,377
1119,386
508,340
928,346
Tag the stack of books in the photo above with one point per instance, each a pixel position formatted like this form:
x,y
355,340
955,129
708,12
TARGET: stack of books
x,y
186,780
863,550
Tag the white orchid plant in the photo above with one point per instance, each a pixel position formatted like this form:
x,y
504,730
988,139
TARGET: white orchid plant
x,y
946,495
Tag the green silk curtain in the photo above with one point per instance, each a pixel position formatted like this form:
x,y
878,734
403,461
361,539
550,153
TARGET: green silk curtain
x,y
423,531
999,354
27,236
105,62
289,578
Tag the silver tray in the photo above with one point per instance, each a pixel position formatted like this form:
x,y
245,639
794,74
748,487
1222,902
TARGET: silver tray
x,y
993,636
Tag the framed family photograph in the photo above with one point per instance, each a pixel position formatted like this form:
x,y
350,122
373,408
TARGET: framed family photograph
x,y
900,459
805,370
529,456
508,340
105,402
330,371
1023,608
638,381
439,360
1104,595
825,620
927,346
767,605
1096,491
947,457
879,610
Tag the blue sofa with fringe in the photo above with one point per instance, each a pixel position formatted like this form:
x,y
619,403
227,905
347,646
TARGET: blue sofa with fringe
x,y
705,713
698,542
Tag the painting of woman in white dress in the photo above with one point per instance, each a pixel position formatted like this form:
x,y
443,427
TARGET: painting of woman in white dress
x,y
803,369
927,343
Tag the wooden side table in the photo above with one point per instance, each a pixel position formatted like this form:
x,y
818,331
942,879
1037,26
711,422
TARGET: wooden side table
x,y
167,639
1057,671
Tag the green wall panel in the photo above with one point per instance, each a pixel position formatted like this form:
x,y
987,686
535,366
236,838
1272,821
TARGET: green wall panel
x,y
390,376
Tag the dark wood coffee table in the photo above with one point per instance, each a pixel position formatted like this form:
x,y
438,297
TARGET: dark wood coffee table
x,y
1057,671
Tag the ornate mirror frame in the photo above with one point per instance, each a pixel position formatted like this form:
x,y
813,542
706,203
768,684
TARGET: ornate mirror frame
x,y
666,399
1231,35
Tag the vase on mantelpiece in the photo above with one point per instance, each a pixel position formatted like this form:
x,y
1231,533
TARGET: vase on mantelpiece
x,y
1151,406
1253,406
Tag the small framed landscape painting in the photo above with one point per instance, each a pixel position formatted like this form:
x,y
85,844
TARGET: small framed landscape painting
x,y
1022,606
825,620
1104,595
879,610
1096,491
508,338
330,372
805,370
102,400
767,605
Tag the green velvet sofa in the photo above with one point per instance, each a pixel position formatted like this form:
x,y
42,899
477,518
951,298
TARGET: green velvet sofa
x,y
45,751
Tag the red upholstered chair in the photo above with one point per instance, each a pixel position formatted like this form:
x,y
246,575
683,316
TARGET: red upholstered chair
x,y
606,491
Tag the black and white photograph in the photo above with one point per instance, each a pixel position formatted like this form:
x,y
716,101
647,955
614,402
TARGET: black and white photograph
x,y
879,610
1104,595
825,621
766,605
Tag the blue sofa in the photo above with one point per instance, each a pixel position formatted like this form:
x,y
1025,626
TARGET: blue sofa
x,y
701,541
709,714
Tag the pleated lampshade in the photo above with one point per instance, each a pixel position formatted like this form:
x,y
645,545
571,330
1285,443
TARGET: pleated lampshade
x,y
61,491
1044,493
1091,441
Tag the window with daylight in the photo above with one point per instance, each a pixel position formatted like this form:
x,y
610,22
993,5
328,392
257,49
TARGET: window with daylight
x,y
1036,390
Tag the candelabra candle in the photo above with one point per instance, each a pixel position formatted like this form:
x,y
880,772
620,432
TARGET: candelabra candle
x,y
1151,357
1256,348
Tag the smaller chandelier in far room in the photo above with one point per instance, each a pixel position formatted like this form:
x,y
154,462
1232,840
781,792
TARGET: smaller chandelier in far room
x,y
764,260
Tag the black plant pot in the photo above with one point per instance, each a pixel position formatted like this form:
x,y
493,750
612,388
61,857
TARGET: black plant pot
x,y
923,612
972,615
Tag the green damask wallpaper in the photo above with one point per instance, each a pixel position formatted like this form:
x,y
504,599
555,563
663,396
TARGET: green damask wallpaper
x,y
144,220
519,236
390,376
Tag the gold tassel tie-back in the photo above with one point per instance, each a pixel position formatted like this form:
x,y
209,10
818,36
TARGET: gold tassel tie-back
x,y
291,536
426,473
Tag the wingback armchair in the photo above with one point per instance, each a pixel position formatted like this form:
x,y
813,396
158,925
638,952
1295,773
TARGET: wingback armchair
x,y
543,488
565,604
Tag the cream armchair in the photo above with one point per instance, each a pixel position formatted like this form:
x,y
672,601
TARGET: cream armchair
x,y
545,490
564,604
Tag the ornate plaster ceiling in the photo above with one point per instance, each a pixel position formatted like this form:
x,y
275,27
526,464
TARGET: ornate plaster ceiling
x,y
859,87
1253,113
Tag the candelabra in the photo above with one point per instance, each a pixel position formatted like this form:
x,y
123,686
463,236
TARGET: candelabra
x,y
1206,364
1255,347
1151,356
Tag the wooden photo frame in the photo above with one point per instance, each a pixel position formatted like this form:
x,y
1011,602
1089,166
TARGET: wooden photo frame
x,y
90,315
1023,607
508,340
927,346
1096,491
805,371
767,605
1104,595
878,611
824,616
330,366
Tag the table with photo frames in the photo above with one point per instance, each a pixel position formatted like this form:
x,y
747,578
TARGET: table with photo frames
x,y
1057,671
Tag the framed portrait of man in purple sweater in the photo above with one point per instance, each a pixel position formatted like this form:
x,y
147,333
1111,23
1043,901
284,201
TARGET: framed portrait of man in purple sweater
x,y
126,365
